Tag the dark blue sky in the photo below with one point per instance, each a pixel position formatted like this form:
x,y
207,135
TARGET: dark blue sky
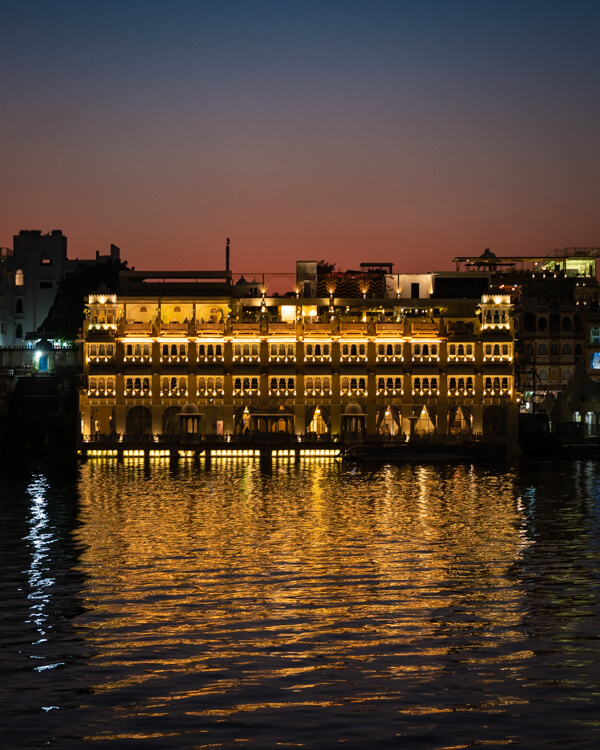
x,y
412,132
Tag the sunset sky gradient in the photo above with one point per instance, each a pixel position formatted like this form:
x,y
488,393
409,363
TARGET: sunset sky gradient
x,y
404,132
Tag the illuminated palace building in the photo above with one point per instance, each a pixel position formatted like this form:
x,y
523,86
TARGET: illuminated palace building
x,y
338,356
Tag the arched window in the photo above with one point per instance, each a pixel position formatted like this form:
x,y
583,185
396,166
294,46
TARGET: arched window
x,y
19,306
19,280
139,421
19,331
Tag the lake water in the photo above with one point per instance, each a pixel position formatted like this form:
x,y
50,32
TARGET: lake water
x,y
316,605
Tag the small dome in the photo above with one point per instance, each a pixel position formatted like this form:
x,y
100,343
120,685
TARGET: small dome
x,y
353,410
190,408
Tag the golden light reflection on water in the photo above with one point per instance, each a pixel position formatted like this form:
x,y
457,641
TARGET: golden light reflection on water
x,y
315,584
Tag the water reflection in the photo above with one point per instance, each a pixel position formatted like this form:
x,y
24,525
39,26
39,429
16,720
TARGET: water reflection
x,y
234,592
314,604
41,539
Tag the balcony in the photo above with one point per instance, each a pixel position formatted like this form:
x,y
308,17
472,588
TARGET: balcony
x,y
174,392
137,359
138,393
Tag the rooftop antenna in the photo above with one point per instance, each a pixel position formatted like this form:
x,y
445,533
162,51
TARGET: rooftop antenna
x,y
227,255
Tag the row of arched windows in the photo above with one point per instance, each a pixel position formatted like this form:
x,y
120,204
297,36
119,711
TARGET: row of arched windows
x,y
425,384
174,384
138,384
496,384
390,384
101,384
552,322
460,384
317,383
425,350
353,384
245,384
282,384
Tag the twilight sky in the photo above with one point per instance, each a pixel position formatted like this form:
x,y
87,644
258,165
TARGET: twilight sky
x,y
404,132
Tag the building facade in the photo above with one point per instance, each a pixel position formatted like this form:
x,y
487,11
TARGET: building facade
x,y
555,301
382,363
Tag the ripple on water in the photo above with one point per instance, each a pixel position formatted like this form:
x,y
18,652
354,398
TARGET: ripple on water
x,y
435,606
